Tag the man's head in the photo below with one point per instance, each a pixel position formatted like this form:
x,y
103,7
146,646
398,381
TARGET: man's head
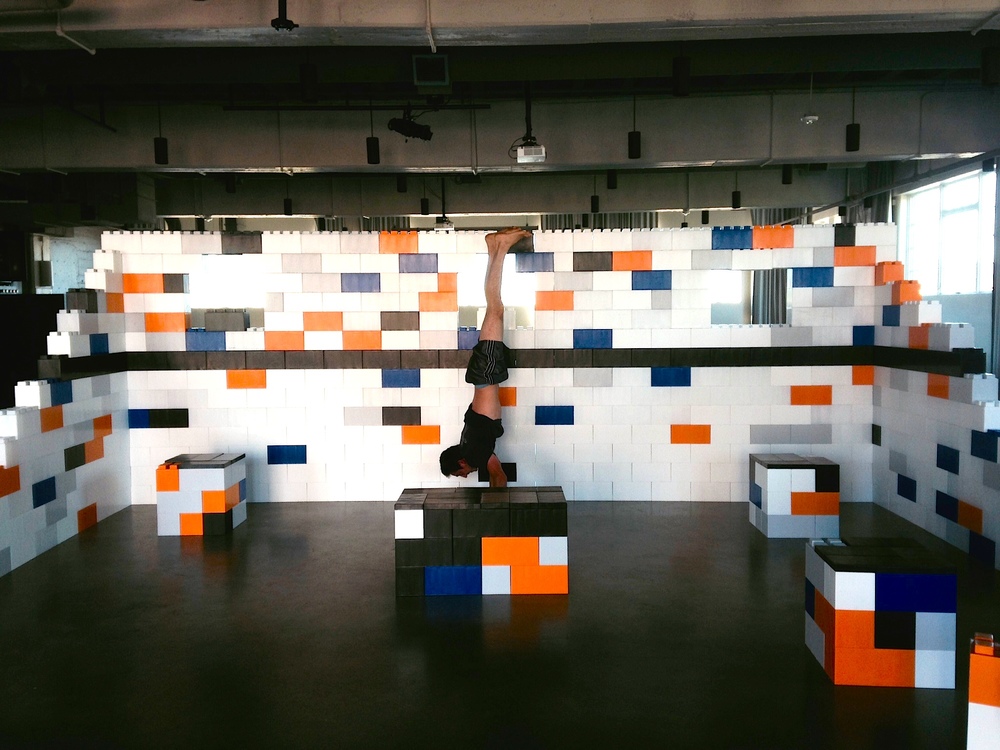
x,y
453,464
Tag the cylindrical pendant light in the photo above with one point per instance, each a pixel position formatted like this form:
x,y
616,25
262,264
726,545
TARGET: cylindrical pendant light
x,y
852,139
371,142
634,137
786,174
737,197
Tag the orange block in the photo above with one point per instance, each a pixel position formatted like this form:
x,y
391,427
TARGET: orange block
x,y
632,260
86,517
769,237
448,282
508,396
541,579
362,340
700,434
323,321
815,503
854,629
192,524
823,615
879,667
970,516
421,434
232,496
554,300
887,272
102,426
854,256
863,375
166,322
213,501
93,450
397,242
510,550
10,480
142,283
51,418
115,302
812,395
168,479
284,340
938,385
438,301
920,336
246,378
905,291
984,680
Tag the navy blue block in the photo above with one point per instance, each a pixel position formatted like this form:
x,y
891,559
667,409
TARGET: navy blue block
x,y
890,315
906,488
534,262
99,343
400,378
812,277
732,238
669,377
138,418
982,549
468,338
453,580
205,341
947,458
946,506
286,454
43,492
243,489
864,335
554,415
61,391
984,445
810,599
360,282
591,338
416,263
915,592
756,495
651,280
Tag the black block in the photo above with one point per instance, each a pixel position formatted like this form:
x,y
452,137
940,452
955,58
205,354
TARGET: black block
x,y
304,360
419,552
84,300
342,360
844,235
552,521
467,550
226,360
593,261
400,415
175,283
380,360
895,630
218,524
75,456
418,359
242,243
876,434
400,321
409,581
827,479
525,520
259,360
437,523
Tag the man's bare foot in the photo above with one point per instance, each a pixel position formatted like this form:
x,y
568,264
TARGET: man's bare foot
x,y
502,240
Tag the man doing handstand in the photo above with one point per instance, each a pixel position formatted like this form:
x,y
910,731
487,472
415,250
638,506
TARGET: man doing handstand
x,y
487,369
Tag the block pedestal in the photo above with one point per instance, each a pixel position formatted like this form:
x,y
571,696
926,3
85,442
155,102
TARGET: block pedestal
x,y
794,496
481,541
984,693
201,494
881,612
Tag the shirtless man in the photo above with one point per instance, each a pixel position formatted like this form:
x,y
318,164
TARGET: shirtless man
x,y
487,369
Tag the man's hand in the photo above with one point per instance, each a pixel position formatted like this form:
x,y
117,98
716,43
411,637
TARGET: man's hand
x,y
497,476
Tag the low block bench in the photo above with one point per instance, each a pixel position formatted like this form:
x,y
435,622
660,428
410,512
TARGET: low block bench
x,y
201,494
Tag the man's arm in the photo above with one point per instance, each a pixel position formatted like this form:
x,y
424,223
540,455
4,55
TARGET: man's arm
x,y
497,476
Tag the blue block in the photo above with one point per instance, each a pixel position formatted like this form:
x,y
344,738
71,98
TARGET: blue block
x,y
138,418
591,338
982,549
916,592
205,341
453,580
243,490
810,599
400,378
670,377
906,488
468,338
651,280
99,343
416,263
984,445
812,277
554,415
61,391
286,454
43,492
360,282
890,316
756,495
534,262
864,335
732,238
947,458
946,506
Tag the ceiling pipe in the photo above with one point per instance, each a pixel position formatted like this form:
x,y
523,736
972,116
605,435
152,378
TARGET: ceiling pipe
x,y
34,6
430,31
68,38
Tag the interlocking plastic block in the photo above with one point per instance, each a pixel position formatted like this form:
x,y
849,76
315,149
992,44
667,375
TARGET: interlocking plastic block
x,y
43,492
732,238
947,458
201,494
984,692
286,454
418,263
534,262
863,336
554,415
453,581
360,282
812,277
205,341
651,280
906,487
790,494
401,378
600,338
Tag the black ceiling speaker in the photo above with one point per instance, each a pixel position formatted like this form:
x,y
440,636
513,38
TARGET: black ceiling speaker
x,y
612,179
595,204
868,202
989,165
634,137
737,199
842,211
704,216
425,206
401,183
160,154
786,174
852,141
199,223
288,206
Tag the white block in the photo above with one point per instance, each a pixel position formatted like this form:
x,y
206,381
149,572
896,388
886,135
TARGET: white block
x,y
496,579
553,550
854,591
984,727
409,524
935,669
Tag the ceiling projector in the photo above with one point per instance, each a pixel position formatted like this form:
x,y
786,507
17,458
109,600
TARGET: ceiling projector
x,y
530,153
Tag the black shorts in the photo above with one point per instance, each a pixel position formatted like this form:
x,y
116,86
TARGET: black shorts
x,y
488,363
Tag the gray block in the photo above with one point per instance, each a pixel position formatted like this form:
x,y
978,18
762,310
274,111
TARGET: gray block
x,y
936,631
991,475
833,296
770,433
55,511
226,320
791,527
46,539
897,462
5,566
828,527
899,380
593,376
810,434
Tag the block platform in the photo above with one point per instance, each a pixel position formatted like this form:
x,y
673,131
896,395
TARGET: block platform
x,y
794,496
201,494
984,693
881,612
475,541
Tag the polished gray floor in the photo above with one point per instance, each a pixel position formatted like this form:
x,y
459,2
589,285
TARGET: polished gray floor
x,y
683,629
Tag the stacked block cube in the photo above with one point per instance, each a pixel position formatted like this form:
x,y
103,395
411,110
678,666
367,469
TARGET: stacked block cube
x,y
201,494
984,693
478,541
881,612
794,496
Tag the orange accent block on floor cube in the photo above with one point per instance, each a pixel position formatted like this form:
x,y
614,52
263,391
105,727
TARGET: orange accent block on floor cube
x,y
10,480
323,321
887,272
508,395
938,386
854,628
398,242
811,395
766,238
554,300
168,479
691,434
876,667
421,434
86,517
984,679
294,341
237,379
542,579
632,260
192,524
213,501
815,503
510,550
51,418
863,375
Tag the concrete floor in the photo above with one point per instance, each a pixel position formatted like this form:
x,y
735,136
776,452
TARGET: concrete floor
x,y
683,628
